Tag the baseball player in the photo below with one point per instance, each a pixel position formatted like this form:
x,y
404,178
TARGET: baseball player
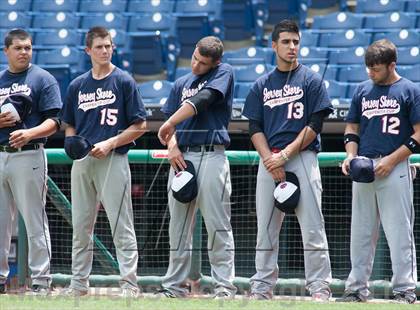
x,y
286,109
199,109
383,124
23,167
104,106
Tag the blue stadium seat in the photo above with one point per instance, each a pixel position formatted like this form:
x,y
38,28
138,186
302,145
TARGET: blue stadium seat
x,y
57,37
150,6
379,6
3,59
345,38
404,37
147,56
108,20
55,6
155,91
190,28
14,19
119,38
103,6
308,38
15,5
349,56
238,20
320,55
353,74
410,72
408,55
339,20
62,74
3,33
386,21
212,8
327,72
323,4
65,55
278,10
241,90
248,56
52,20
351,87
181,71
336,89
3,67
164,23
249,74
413,6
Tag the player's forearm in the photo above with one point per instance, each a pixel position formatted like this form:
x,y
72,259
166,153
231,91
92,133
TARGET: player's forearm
x,y
304,138
45,129
403,152
351,147
69,130
184,112
261,145
130,134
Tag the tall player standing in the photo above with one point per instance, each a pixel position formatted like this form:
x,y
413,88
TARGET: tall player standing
x,y
199,108
286,109
23,166
104,106
383,124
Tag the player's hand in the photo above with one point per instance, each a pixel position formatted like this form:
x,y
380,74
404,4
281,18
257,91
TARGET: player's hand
x,y
345,166
176,159
101,149
273,162
384,167
278,174
19,138
166,131
6,120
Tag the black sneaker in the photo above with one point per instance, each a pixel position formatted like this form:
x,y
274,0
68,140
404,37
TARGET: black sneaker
x,y
165,293
40,290
350,297
3,288
402,298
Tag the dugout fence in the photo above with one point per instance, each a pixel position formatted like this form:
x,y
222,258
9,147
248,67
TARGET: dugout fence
x,y
150,170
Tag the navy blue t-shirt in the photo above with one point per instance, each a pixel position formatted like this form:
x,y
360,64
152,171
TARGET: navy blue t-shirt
x,y
37,83
385,114
101,109
209,127
282,102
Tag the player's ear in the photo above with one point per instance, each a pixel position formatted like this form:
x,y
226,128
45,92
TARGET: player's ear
x,y
87,50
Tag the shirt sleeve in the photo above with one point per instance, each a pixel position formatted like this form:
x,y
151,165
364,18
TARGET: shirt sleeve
x,y
67,112
50,97
253,108
135,110
221,81
172,103
354,113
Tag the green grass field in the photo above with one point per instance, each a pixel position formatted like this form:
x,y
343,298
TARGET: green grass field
x,y
14,302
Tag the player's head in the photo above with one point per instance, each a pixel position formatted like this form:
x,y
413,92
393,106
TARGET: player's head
x,y
381,60
207,55
18,49
99,45
285,42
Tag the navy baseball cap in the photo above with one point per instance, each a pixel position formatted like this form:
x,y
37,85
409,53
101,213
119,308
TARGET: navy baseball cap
x,y
287,193
184,184
20,105
77,147
362,169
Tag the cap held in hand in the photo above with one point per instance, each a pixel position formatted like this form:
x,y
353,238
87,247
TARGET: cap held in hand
x,y
287,193
184,184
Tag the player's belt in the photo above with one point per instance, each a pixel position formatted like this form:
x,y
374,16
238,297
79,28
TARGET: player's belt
x,y
200,148
28,147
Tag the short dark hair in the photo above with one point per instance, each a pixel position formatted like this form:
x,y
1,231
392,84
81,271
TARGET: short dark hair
x,y
19,34
211,47
96,32
381,52
285,25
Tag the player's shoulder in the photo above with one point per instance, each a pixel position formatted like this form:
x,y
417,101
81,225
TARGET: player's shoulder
x,y
122,75
41,74
80,79
224,67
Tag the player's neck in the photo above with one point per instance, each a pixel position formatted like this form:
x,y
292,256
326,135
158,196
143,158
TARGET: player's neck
x,y
100,72
287,66
15,70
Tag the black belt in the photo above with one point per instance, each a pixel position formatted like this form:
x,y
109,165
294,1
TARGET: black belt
x,y
197,148
28,147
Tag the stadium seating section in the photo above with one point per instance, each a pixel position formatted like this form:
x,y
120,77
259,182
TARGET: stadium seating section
x,y
151,35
